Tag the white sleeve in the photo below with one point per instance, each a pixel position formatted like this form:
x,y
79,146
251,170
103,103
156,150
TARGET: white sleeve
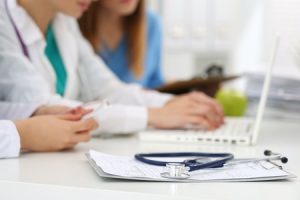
x,y
21,77
134,94
13,111
120,119
9,140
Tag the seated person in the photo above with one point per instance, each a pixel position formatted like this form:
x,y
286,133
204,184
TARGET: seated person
x,y
41,133
127,38
44,58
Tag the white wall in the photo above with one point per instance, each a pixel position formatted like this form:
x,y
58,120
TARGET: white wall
x,y
283,18
236,33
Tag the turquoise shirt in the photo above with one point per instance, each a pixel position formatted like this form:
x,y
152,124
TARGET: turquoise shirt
x,y
53,55
117,59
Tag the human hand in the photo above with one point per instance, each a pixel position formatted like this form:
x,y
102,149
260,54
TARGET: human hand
x,y
58,110
194,109
54,133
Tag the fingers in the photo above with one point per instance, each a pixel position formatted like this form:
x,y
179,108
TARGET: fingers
x,y
199,122
81,137
215,121
87,111
80,110
196,109
76,138
76,110
204,112
78,131
58,110
207,110
215,111
51,110
202,98
70,117
84,125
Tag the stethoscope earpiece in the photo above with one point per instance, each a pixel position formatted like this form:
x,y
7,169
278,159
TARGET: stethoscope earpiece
x,y
284,160
270,153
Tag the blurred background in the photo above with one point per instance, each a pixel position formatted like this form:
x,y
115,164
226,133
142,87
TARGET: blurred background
x,y
237,34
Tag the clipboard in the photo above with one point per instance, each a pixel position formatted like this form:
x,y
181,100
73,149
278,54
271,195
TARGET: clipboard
x,y
208,85
103,174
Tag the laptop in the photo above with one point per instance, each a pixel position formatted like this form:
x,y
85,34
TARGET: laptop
x,y
237,131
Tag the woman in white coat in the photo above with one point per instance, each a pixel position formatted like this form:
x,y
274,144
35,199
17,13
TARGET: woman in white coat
x,y
44,58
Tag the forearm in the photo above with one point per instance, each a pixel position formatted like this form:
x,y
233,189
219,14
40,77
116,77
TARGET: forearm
x,y
153,120
23,128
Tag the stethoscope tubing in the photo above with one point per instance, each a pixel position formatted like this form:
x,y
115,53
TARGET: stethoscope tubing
x,y
224,157
247,160
18,34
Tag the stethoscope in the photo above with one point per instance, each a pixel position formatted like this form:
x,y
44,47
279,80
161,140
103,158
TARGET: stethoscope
x,y
18,34
21,41
181,170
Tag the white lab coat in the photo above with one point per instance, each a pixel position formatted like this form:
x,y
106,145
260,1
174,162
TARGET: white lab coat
x,y
9,140
9,136
16,111
88,80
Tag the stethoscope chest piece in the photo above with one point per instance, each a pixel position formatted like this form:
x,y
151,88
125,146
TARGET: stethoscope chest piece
x,y
176,171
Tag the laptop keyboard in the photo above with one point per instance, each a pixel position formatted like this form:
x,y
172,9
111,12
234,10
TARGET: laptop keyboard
x,y
232,127
234,131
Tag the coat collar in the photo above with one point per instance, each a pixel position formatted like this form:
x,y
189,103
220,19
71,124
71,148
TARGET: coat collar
x,y
32,35
25,24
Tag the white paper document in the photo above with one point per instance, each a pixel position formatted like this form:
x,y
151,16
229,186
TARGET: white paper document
x,y
127,167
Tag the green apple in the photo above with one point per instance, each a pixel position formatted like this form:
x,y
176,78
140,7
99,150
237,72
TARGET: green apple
x,y
234,102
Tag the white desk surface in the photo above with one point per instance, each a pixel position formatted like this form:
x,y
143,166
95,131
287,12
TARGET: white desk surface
x,y
68,174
